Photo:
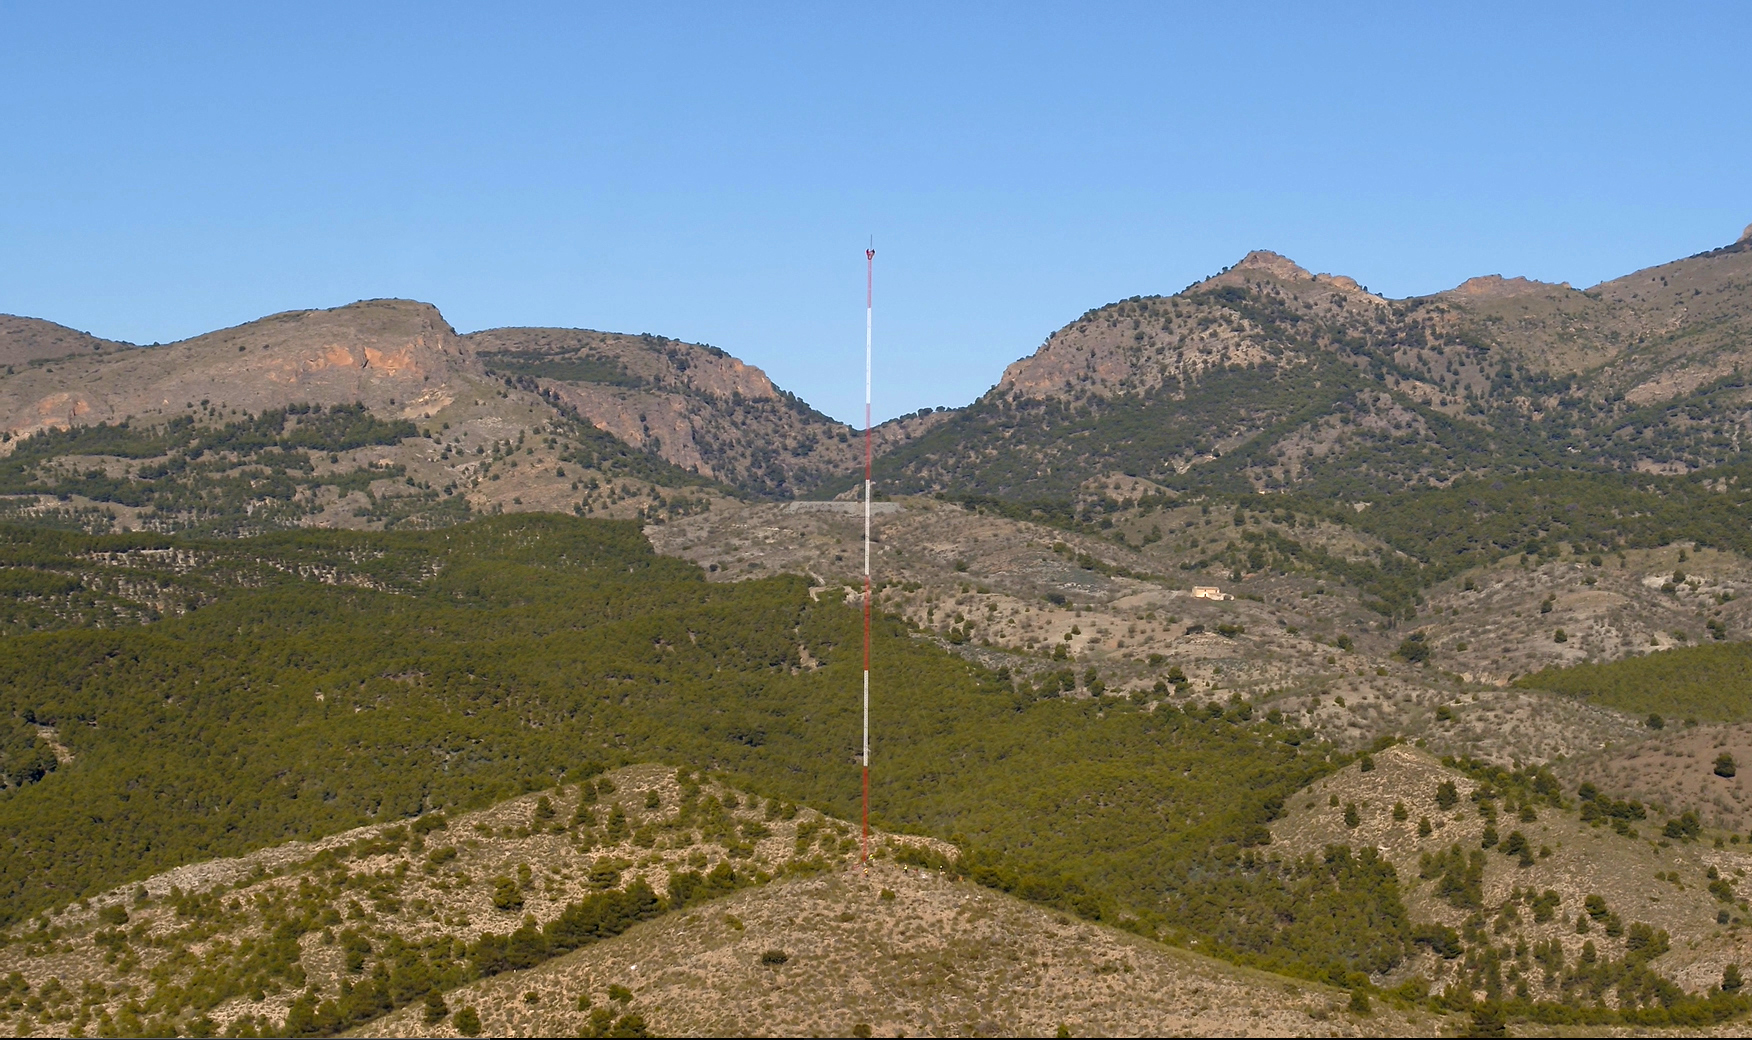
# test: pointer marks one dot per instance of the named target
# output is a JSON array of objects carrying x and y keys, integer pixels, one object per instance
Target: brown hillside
[
  {"x": 1011, "y": 594},
  {"x": 397, "y": 357},
  {"x": 205, "y": 946},
  {"x": 23, "y": 340},
  {"x": 694, "y": 405}
]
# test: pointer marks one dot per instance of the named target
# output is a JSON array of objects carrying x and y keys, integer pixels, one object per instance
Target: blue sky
[{"x": 712, "y": 172}]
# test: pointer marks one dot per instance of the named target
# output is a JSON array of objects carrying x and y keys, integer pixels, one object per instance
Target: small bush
[
  {"x": 774, "y": 958},
  {"x": 467, "y": 1022},
  {"x": 435, "y": 1008}
]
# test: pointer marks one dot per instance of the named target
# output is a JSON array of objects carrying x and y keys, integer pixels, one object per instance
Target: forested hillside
[{"x": 452, "y": 667}]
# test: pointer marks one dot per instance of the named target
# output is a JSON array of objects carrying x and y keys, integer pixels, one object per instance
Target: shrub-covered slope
[{"x": 490, "y": 658}]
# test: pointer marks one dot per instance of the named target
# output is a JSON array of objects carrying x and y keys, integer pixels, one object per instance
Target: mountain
[
  {"x": 1392, "y": 646},
  {"x": 195, "y": 435},
  {"x": 1264, "y": 377},
  {"x": 399, "y": 359},
  {"x": 1268, "y": 378}
]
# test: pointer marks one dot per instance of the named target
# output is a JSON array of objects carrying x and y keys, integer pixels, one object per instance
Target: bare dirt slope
[
  {"x": 1675, "y": 769},
  {"x": 939, "y": 958},
  {"x": 1507, "y": 623}
]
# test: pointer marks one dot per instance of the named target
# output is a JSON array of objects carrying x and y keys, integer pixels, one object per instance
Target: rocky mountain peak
[
  {"x": 1274, "y": 264},
  {"x": 1282, "y": 268}
]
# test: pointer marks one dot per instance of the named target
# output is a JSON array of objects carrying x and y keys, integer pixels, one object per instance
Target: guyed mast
[{"x": 869, "y": 300}]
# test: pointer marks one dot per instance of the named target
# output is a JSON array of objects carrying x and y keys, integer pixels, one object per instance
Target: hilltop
[
  {"x": 692, "y": 405},
  {"x": 898, "y": 950},
  {"x": 99, "y": 437},
  {"x": 24, "y": 340}
]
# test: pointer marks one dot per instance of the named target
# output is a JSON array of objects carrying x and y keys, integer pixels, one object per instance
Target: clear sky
[{"x": 712, "y": 172}]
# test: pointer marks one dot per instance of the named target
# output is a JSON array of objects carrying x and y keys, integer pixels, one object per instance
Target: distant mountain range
[{"x": 1262, "y": 378}]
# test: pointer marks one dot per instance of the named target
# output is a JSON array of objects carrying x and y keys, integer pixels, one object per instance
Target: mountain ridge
[{"x": 1262, "y": 377}]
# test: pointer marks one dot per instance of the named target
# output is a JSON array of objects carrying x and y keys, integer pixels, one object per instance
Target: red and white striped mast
[{"x": 869, "y": 300}]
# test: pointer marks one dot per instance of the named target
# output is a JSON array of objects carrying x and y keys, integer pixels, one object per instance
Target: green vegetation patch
[
  {"x": 1711, "y": 683},
  {"x": 254, "y": 474}
]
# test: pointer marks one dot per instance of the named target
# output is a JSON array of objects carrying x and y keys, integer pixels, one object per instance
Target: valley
[{"x": 1267, "y": 658}]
